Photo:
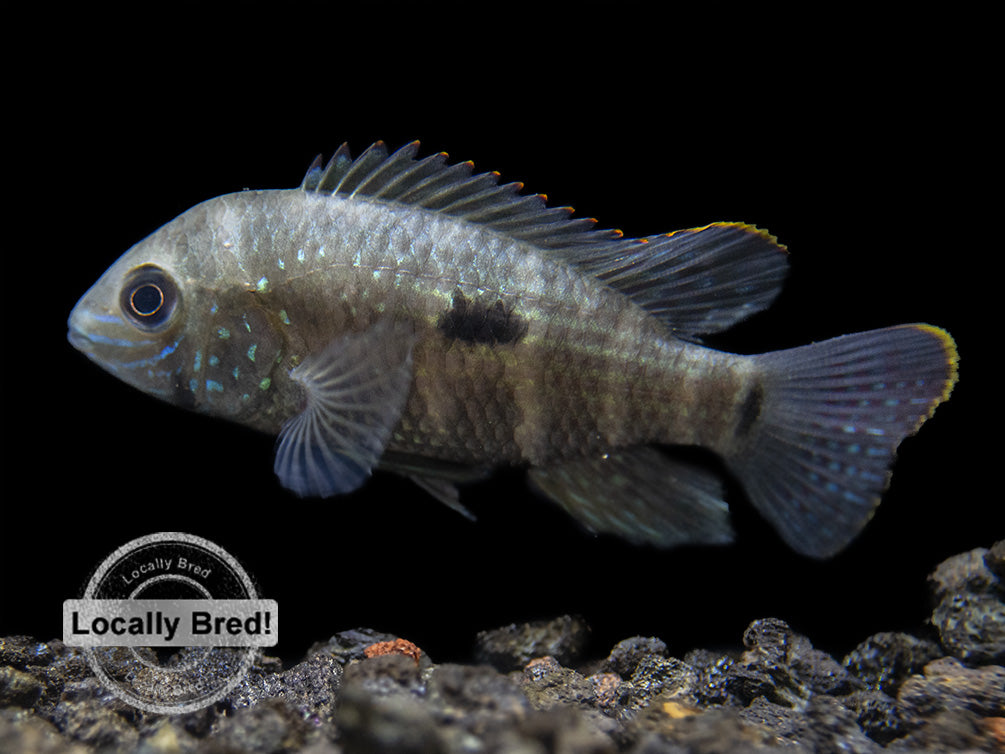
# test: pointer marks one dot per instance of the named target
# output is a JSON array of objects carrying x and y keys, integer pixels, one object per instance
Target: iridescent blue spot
[
  {"x": 197, "y": 364},
  {"x": 875, "y": 431},
  {"x": 849, "y": 429},
  {"x": 263, "y": 284},
  {"x": 853, "y": 449},
  {"x": 283, "y": 317},
  {"x": 193, "y": 385},
  {"x": 300, "y": 255},
  {"x": 223, "y": 333},
  {"x": 890, "y": 402},
  {"x": 264, "y": 384},
  {"x": 213, "y": 386},
  {"x": 236, "y": 372},
  {"x": 251, "y": 351},
  {"x": 282, "y": 264},
  {"x": 214, "y": 360}
]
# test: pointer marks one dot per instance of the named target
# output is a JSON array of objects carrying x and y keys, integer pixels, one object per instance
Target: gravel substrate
[{"x": 530, "y": 688}]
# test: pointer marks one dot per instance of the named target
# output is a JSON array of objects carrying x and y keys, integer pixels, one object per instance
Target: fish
[{"x": 407, "y": 313}]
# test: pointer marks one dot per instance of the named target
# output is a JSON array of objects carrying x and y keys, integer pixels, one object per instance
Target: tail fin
[{"x": 818, "y": 458}]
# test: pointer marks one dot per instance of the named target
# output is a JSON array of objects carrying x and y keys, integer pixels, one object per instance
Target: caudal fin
[{"x": 817, "y": 460}]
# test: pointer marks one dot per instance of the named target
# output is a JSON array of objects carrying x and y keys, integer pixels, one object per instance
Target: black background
[{"x": 868, "y": 153}]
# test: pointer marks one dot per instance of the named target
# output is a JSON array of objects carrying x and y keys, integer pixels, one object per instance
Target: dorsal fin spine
[{"x": 696, "y": 281}]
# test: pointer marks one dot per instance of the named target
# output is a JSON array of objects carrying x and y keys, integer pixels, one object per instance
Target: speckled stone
[{"x": 970, "y": 606}]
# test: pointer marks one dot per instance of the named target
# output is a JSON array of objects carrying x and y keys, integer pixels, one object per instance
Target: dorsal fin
[
  {"x": 696, "y": 281},
  {"x": 452, "y": 189}
]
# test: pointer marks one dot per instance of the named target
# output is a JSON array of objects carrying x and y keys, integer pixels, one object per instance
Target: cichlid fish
[{"x": 407, "y": 313}]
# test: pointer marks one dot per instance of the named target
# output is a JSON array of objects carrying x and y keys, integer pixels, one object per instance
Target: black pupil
[{"x": 147, "y": 299}]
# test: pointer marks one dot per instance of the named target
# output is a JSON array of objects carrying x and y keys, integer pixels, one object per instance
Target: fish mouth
[{"x": 76, "y": 334}]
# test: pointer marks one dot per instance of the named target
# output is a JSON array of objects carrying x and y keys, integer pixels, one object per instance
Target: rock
[
  {"x": 884, "y": 660},
  {"x": 547, "y": 684},
  {"x": 21, "y": 651},
  {"x": 627, "y": 654},
  {"x": 269, "y": 726},
  {"x": 364, "y": 691},
  {"x": 824, "y": 726},
  {"x": 91, "y": 723},
  {"x": 475, "y": 698},
  {"x": 374, "y": 722},
  {"x": 347, "y": 646},
  {"x": 783, "y": 666},
  {"x": 22, "y": 733},
  {"x": 665, "y": 676},
  {"x": 512, "y": 647},
  {"x": 310, "y": 689},
  {"x": 970, "y": 606},
  {"x": 19, "y": 689},
  {"x": 879, "y": 715},
  {"x": 948, "y": 730},
  {"x": 713, "y": 671},
  {"x": 717, "y": 730},
  {"x": 947, "y": 684},
  {"x": 386, "y": 675}
]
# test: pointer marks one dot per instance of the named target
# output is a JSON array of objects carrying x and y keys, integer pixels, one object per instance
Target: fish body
[{"x": 405, "y": 313}]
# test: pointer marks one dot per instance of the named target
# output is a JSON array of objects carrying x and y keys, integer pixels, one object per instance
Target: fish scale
[{"x": 405, "y": 313}]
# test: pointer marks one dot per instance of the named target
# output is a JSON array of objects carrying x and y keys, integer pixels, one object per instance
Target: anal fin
[{"x": 641, "y": 495}]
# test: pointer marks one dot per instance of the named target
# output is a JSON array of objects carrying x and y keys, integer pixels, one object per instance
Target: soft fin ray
[
  {"x": 355, "y": 392},
  {"x": 695, "y": 281},
  {"x": 702, "y": 280},
  {"x": 818, "y": 458},
  {"x": 641, "y": 495}
]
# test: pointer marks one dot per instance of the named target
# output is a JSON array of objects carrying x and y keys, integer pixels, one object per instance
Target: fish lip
[
  {"x": 77, "y": 339},
  {"x": 76, "y": 334}
]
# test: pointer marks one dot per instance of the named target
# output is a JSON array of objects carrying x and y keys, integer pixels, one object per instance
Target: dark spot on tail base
[
  {"x": 750, "y": 410},
  {"x": 477, "y": 322}
]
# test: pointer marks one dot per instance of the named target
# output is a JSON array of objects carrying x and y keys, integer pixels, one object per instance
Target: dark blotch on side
[
  {"x": 750, "y": 410},
  {"x": 476, "y": 322}
]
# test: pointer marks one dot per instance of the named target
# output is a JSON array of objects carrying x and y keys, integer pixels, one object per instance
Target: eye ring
[
  {"x": 146, "y": 300},
  {"x": 149, "y": 298}
]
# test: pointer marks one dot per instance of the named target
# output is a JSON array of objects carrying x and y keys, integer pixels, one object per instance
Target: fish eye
[{"x": 149, "y": 297}]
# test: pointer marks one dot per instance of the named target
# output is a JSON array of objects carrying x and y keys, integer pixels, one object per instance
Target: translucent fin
[
  {"x": 641, "y": 495},
  {"x": 445, "y": 491},
  {"x": 355, "y": 392},
  {"x": 818, "y": 457},
  {"x": 438, "y": 478},
  {"x": 696, "y": 281},
  {"x": 702, "y": 280}
]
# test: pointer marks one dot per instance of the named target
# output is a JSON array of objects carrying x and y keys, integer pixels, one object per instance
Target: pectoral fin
[
  {"x": 355, "y": 389},
  {"x": 641, "y": 495}
]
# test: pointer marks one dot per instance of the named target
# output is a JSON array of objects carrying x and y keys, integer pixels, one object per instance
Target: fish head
[{"x": 132, "y": 321}]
